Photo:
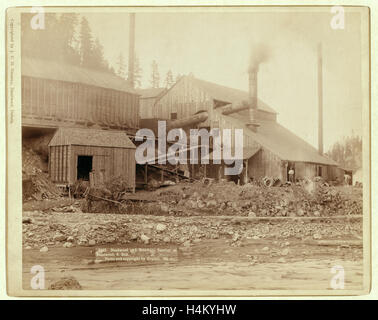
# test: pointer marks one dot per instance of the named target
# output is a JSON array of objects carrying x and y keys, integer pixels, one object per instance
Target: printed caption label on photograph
[{"x": 135, "y": 255}]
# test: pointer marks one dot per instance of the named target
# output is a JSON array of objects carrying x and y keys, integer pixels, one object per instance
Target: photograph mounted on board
[{"x": 188, "y": 151}]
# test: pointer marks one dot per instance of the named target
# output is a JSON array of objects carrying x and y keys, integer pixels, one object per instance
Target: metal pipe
[
  {"x": 195, "y": 119},
  {"x": 231, "y": 109},
  {"x": 130, "y": 77},
  {"x": 320, "y": 99},
  {"x": 253, "y": 124}
]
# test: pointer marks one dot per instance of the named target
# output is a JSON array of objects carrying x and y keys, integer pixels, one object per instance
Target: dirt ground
[
  {"x": 223, "y": 237},
  {"x": 210, "y": 265},
  {"x": 243, "y": 254}
]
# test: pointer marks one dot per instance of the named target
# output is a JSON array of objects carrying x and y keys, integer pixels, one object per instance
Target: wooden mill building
[
  {"x": 270, "y": 149},
  {"x": 88, "y": 115},
  {"x": 56, "y": 94},
  {"x": 147, "y": 101}
]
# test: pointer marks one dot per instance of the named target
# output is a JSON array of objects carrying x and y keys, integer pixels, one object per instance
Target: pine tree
[
  {"x": 178, "y": 77},
  {"x": 97, "y": 57},
  {"x": 86, "y": 43},
  {"x": 155, "y": 76},
  {"x": 121, "y": 67},
  {"x": 169, "y": 79},
  {"x": 67, "y": 37},
  {"x": 137, "y": 72},
  {"x": 348, "y": 152}
]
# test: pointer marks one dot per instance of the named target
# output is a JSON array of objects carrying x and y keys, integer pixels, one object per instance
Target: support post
[{"x": 145, "y": 173}]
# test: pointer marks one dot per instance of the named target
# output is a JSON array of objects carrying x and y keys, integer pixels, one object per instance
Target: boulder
[
  {"x": 160, "y": 227},
  {"x": 44, "y": 249},
  {"x": 144, "y": 239}
]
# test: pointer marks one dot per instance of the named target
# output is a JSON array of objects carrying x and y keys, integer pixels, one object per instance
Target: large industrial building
[
  {"x": 88, "y": 115},
  {"x": 57, "y": 96},
  {"x": 270, "y": 149}
]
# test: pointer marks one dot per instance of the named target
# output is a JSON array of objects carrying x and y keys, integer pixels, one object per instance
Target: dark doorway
[{"x": 84, "y": 167}]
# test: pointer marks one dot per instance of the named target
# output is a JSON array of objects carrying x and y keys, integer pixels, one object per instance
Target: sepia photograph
[{"x": 189, "y": 151}]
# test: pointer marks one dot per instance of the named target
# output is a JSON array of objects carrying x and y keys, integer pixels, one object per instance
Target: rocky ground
[
  {"x": 310, "y": 198},
  {"x": 191, "y": 212},
  {"x": 221, "y": 226},
  {"x": 65, "y": 229}
]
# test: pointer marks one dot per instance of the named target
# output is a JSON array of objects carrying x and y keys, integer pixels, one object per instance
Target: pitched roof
[
  {"x": 282, "y": 142},
  {"x": 54, "y": 70},
  {"x": 227, "y": 94},
  {"x": 91, "y": 137},
  {"x": 150, "y": 92},
  {"x": 248, "y": 152},
  {"x": 287, "y": 145}
]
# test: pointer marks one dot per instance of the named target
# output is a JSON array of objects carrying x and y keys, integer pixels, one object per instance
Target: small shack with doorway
[{"x": 99, "y": 155}]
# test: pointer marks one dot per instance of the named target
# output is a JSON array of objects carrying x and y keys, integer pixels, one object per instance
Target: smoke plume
[{"x": 259, "y": 54}]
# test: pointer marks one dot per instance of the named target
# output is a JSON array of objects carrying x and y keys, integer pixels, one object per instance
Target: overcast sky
[{"x": 216, "y": 46}]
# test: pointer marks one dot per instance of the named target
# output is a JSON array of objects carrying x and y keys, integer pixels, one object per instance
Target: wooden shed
[{"x": 76, "y": 153}]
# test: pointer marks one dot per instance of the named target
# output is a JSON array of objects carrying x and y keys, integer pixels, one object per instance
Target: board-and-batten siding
[
  {"x": 59, "y": 166},
  {"x": 185, "y": 99},
  {"x": 147, "y": 108},
  {"x": 266, "y": 164},
  {"x": 112, "y": 162},
  {"x": 310, "y": 170},
  {"x": 60, "y": 100}
]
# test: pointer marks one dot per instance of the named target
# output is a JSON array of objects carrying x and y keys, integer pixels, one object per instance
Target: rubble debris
[
  {"x": 35, "y": 180},
  {"x": 144, "y": 239},
  {"x": 27, "y": 220},
  {"x": 55, "y": 229},
  {"x": 285, "y": 252},
  {"x": 66, "y": 283},
  {"x": 226, "y": 198},
  {"x": 160, "y": 227},
  {"x": 79, "y": 188}
]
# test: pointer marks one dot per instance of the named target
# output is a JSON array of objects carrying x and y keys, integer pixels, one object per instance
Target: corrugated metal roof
[
  {"x": 47, "y": 69},
  {"x": 227, "y": 94},
  {"x": 91, "y": 137},
  {"x": 150, "y": 92}
]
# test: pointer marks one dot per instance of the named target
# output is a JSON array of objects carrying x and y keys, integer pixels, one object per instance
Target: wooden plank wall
[
  {"x": 59, "y": 164},
  {"x": 112, "y": 162},
  {"x": 147, "y": 109},
  {"x": 305, "y": 170},
  {"x": 335, "y": 172},
  {"x": 265, "y": 163},
  {"x": 185, "y": 99},
  {"x": 59, "y": 100}
]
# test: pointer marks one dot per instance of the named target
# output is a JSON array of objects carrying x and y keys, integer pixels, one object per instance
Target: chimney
[
  {"x": 320, "y": 100},
  {"x": 131, "y": 49},
  {"x": 253, "y": 124}
]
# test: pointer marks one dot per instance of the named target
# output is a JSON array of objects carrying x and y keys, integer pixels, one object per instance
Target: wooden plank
[{"x": 67, "y": 164}]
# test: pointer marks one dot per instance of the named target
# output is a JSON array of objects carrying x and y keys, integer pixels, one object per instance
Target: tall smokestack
[
  {"x": 259, "y": 54},
  {"x": 320, "y": 99},
  {"x": 131, "y": 49},
  {"x": 252, "y": 111}
]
